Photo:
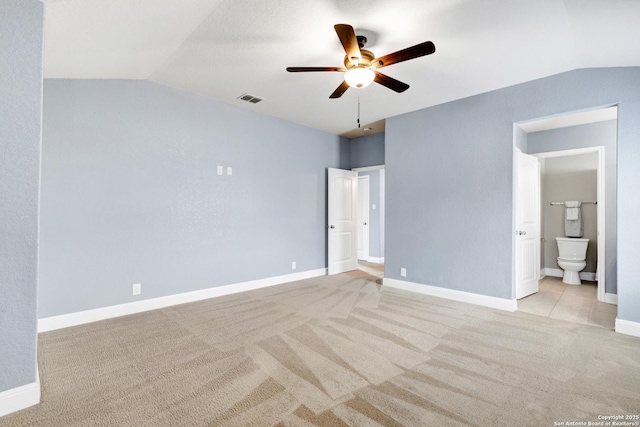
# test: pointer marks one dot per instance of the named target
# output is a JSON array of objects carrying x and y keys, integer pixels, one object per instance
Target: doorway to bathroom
[
  {"x": 574, "y": 175},
  {"x": 573, "y": 150}
]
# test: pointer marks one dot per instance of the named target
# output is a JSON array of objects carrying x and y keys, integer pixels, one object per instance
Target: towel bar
[{"x": 584, "y": 203}]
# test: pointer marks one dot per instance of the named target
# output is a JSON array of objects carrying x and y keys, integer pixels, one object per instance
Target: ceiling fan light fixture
[{"x": 359, "y": 77}]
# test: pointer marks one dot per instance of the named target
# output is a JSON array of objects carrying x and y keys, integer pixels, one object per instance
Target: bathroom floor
[{"x": 570, "y": 302}]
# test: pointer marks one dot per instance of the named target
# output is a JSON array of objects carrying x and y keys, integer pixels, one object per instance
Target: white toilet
[{"x": 572, "y": 259}]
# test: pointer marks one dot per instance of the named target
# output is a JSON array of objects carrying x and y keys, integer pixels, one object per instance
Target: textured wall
[
  {"x": 20, "y": 111},
  {"x": 450, "y": 182},
  {"x": 591, "y": 135},
  {"x": 130, "y": 194},
  {"x": 367, "y": 151}
]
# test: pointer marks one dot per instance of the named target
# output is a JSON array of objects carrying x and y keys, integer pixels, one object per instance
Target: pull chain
[{"x": 358, "y": 112}]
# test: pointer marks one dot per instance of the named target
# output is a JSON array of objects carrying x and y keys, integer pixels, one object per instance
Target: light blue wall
[
  {"x": 590, "y": 135},
  {"x": 130, "y": 194},
  {"x": 450, "y": 182},
  {"x": 367, "y": 150},
  {"x": 20, "y": 110}
]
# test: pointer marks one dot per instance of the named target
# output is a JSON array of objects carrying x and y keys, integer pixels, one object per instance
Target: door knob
[
  {"x": 521, "y": 233},
  {"x": 364, "y": 223},
  {"x": 331, "y": 226}
]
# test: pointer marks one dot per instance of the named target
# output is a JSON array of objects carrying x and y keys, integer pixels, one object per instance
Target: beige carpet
[{"x": 332, "y": 351}]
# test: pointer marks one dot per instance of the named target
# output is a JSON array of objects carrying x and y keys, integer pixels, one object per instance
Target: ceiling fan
[{"x": 361, "y": 65}]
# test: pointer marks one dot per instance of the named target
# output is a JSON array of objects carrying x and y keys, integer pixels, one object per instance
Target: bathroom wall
[
  {"x": 591, "y": 135},
  {"x": 569, "y": 186}
]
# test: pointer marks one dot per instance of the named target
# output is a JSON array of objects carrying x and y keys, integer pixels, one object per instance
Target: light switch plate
[
  {"x": 220, "y": 170},
  {"x": 229, "y": 170}
]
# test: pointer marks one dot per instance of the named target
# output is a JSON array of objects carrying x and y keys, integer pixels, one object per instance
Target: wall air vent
[{"x": 250, "y": 98}]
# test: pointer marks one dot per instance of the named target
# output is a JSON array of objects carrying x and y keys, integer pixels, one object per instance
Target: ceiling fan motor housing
[{"x": 367, "y": 57}]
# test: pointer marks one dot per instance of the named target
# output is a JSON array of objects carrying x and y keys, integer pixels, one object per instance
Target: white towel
[
  {"x": 572, "y": 210},
  {"x": 573, "y": 226}
]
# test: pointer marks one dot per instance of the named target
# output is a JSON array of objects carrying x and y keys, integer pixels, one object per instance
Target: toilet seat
[{"x": 570, "y": 259}]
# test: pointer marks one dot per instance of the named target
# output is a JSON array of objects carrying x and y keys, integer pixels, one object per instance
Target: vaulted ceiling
[{"x": 225, "y": 48}]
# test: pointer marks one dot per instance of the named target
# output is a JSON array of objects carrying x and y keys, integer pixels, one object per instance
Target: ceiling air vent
[{"x": 250, "y": 98}]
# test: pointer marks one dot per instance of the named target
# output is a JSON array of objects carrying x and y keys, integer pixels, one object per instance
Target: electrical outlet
[
  {"x": 293, "y": 265},
  {"x": 229, "y": 170},
  {"x": 219, "y": 170},
  {"x": 137, "y": 288},
  {"x": 403, "y": 272}
]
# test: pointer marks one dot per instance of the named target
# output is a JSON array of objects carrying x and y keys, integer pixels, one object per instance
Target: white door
[
  {"x": 342, "y": 227},
  {"x": 363, "y": 217},
  {"x": 527, "y": 239}
]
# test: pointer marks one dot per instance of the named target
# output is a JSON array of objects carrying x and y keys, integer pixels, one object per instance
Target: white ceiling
[{"x": 225, "y": 48}]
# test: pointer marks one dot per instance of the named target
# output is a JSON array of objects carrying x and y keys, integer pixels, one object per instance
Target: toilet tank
[{"x": 571, "y": 248}]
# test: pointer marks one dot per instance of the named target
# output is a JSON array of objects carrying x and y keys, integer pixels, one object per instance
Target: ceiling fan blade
[
  {"x": 391, "y": 83},
  {"x": 304, "y": 69},
  {"x": 347, "y": 37},
  {"x": 422, "y": 49},
  {"x": 340, "y": 90}
]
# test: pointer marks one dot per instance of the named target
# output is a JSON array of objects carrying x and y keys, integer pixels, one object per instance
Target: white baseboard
[
  {"x": 611, "y": 298},
  {"x": 88, "y": 316},
  {"x": 627, "y": 327},
  {"x": 553, "y": 272},
  {"x": 542, "y": 273},
  {"x": 558, "y": 272},
  {"x": 376, "y": 260},
  {"x": 19, "y": 398},
  {"x": 451, "y": 294},
  {"x": 589, "y": 277}
]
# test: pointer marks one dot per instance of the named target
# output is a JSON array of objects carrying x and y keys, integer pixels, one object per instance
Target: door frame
[
  {"x": 600, "y": 208},
  {"x": 364, "y": 186},
  {"x": 383, "y": 197}
]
